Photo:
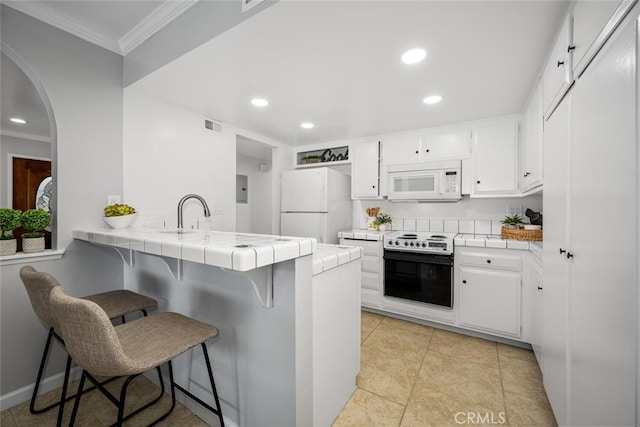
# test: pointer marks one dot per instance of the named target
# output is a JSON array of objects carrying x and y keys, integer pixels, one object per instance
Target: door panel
[{"x": 27, "y": 176}]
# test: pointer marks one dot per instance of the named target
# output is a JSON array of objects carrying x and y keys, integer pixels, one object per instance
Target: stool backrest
[
  {"x": 89, "y": 335},
  {"x": 39, "y": 285}
]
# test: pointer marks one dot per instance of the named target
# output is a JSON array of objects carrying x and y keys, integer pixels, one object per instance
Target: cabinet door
[
  {"x": 403, "y": 149},
  {"x": 558, "y": 74},
  {"x": 365, "y": 170},
  {"x": 604, "y": 281},
  {"x": 448, "y": 145},
  {"x": 593, "y": 22},
  {"x": 556, "y": 274},
  {"x": 490, "y": 300},
  {"x": 495, "y": 159},
  {"x": 530, "y": 174},
  {"x": 536, "y": 315}
]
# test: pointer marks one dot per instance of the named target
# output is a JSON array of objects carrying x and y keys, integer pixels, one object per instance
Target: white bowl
[{"x": 122, "y": 221}]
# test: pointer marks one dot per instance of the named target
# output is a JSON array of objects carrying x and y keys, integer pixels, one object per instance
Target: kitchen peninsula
[{"x": 287, "y": 308}]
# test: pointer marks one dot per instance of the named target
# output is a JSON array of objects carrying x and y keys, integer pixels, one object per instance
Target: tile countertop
[
  {"x": 495, "y": 241},
  {"x": 327, "y": 257},
  {"x": 363, "y": 234},
  {"x": 235, "y": 251}
]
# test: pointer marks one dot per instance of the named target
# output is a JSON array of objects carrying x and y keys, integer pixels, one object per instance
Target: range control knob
[
  {"x": 424, "y": 245},
  {"x": 406, "y": 243},
  {"x": 411, "y": 244},
  {"x": 397, "y": 243}
]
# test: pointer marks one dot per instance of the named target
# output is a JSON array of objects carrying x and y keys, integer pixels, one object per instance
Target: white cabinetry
[
  {"x": 365, "y": 170},
  {"x": 530, "y": 150},
  {"x": 426, "y": 147},
  {"x": 593, "y": 22},
  {"x": 533, "y": 287},
  {"x": 590, "y": 273},
  {"x": 494, "y": 161},
  {"x": 558, "y": 72},
  {"x": 490, "y": 283},
  {"x": 372, "y": 276}
]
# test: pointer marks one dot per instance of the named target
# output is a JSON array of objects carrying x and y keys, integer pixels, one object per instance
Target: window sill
[{"x": 22, "y": 258}]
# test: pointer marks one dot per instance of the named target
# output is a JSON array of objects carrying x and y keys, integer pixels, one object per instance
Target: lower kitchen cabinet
[
  {"x": 372, "y": 277},
  {"x": 489, "y": 283},
  {"x": 534, "y": 288}
]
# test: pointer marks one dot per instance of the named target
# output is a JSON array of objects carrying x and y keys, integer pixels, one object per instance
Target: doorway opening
[{"x": 254, "y": 182}]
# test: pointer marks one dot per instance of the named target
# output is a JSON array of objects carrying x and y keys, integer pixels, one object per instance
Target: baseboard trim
[{"x": 23, "y": 394}]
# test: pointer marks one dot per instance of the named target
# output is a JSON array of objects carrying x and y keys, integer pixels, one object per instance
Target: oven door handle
[{"x": 421, "y": 258}]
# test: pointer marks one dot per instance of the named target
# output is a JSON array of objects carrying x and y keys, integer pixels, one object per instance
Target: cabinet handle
[
  {"x": 477, "y": 182},
  {"x": 571, "y": 47},
  {"x": 373, "y": 186},
  {"x": 488, "y": 261},
  {"x": 569, "y": 255},
  {"x": 417, "y": 152},
  {"x": 560, "y": 64},
  {"x": 527, "y": 174},
  {"x": 539, "y": 288},
  {"x": 562, "y": 251},
  {"x": 464, "y": 281},
  {"x": 427, "y": 150}
]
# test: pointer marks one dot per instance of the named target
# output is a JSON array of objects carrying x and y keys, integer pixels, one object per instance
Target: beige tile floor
[
  {"x": 417, "y": 376},
  {"x": 411, "y": 376}
]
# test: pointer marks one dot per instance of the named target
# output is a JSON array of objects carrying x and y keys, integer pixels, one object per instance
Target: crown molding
[
  {"x": 154, "y": 22},
  {"x": 44, "y": 13},
  {"x": 22, "y": 135}
]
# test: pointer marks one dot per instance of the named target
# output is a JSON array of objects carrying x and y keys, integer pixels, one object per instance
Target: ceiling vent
[
  {"x": 213, "y": 126},
  {"x": 248, "y": 4}
]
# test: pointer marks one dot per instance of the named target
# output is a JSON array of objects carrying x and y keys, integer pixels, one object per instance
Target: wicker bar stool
[
  {"x": 116, "y": 304},
  {"x": 128, "y": 350}
]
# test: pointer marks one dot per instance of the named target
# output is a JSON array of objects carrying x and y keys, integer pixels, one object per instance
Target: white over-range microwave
[{"x": 430, "y": 181}]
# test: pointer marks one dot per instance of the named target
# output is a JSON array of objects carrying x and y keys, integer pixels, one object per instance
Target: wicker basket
[{"x": 520, "y": 234}]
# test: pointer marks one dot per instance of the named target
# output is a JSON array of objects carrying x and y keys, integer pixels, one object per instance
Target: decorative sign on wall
[{"x": 335, "y": 154}]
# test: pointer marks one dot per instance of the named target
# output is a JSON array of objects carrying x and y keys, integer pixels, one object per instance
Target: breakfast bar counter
[{"x": 285, "y": 308}]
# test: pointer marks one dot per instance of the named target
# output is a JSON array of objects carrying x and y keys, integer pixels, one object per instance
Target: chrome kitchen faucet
[{"x": 207, "y": 213}]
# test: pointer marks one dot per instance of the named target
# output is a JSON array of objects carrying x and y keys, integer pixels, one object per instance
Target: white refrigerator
[{"x": 315, "y": 202}]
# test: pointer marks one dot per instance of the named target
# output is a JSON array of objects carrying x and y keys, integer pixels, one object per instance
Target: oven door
[{"x": 419, "y": 277}]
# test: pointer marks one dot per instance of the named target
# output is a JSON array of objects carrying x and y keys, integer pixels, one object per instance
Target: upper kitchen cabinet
[
  {"x": 531, "y": 162},
  {"x": 494, "y": 162},
  {"x": 557, "y": 76},
  {"x": 426, "y": 147},
  {"x": 365, "y": 170},
  {"x": 593, "y": 23}
]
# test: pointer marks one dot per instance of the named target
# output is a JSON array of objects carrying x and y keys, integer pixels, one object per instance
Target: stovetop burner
[{"x": 420, "y": 242}]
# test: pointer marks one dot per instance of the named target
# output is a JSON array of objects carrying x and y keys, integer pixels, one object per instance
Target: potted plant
[
  {"x": 512, "y": 221},
  {"x": 119, "y": 215},
  {"x": 384, "y": 221},
  {"x": 10, "y": 219},
  {"x": 35, "y": 221}
]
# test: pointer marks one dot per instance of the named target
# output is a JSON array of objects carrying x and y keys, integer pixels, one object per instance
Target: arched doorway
[{"x": 28, "y": 149}]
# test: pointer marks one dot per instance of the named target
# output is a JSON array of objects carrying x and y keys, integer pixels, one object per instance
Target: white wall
[
  {"x": 254, "y": 216},
  {"x": 22, "y": 147},
  {"x": 168, "y": 153},
  {"x": 83, "y": 84}
]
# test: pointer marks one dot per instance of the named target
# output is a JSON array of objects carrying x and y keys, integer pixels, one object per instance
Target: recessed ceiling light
[
  {"x": 413, "y": 56},
  {"x": 306, "y": 125},
  {"x": 18, "y": 120},
  {"x": 259, "y": 102},
  {"x": 433, "y": 99}
]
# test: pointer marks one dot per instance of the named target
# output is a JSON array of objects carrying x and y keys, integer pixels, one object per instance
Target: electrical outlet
[
  {"x": 514, "y": 210},
  {"x": 113, "y": 199}
]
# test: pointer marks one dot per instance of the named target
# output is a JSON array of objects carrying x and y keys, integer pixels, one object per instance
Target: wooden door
[{"x": 27, "y": 176}]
